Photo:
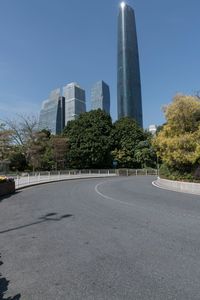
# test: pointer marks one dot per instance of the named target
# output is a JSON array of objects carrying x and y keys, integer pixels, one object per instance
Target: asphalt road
[{"x": 100, "y": 239}]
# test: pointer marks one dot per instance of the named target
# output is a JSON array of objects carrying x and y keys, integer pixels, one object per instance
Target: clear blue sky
[{"x": 45, "y": 44}]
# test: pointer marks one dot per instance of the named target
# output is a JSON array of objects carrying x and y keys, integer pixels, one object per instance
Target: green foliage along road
[
  {"x": 90, "y": 141},
  {"x": 132, "y": 146},
  {"x": 94, "y": 142},
  {"x": 178, "y": 142}
]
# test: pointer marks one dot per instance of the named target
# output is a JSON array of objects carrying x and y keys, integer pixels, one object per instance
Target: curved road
[{"x": 97, "y": 239}]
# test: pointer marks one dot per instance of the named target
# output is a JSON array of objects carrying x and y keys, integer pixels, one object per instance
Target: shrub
[
  {"x": 172, "y": 174},
  {"x": 6, "y": 179}
]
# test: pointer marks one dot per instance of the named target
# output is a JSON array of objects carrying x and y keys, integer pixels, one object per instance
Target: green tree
[
  {"x": 145, "y": 153},
  {"x": 126, "y": 136},
  {"x": 17, "y": 160},
  {"x": 89, "y": 140}
]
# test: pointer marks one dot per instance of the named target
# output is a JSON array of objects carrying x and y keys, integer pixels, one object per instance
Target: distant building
[
  {"x": 52, "y": 114},
  {"x": 128, "y": 72},
  {"x": 74, "y": 101},
  {"x": 100, "y": 96},
  {"x": 152, "y": 129}
]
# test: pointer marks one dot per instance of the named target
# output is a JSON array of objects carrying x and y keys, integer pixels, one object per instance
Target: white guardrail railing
[
  {"x": 33, "y": 178},
  {"x": 26, "y": 179}
]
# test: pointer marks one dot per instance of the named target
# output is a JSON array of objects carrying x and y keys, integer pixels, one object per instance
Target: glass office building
[
  {"x": 100, "y": 96},
  {"x": 52, "y": 114},
  {"x": 128, "y": 73},
  {"x": 74, "y": 101}
]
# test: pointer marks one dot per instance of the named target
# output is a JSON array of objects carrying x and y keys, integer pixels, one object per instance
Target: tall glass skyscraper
[
  {"x": 52, "y": 114},
  {"x": 100, "y": 96},
  {"x": 129, "y": 98},
  {"x": 74, "y": 101}
]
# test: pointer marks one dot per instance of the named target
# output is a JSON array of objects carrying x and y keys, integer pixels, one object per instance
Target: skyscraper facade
[
  {"x": 74, "y": 101},
  {"x": 100, "y": 96},
  {"x": 129, "y": 98},
  {"x": 52, "y": 114}
]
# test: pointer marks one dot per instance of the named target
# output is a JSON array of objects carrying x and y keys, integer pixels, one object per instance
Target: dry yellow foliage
[{"x": 178, "y": 143}]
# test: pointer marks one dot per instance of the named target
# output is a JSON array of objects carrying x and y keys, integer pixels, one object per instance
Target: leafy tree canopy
[
  {"x": 182, "y": 115},
  {"x": 89, "y": 140},
  {"x": 126, "y": 136},
  {"x": 178, "y": 143}
]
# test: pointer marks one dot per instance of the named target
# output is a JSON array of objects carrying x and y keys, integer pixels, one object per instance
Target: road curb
[{"x": 177, "y": 186}]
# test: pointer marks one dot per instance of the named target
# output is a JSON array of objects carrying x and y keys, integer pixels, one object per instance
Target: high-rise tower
[
  {"x": 74, "y": 101},
  {"x": 100, "y": 96},
  {"x": 129, "y": 98},
  {"x": 52, "y": 114}
]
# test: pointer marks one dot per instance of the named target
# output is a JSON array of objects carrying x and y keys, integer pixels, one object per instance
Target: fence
[
  {"x": 137, "y": 172},
  {"x": 26, "y": 179}
]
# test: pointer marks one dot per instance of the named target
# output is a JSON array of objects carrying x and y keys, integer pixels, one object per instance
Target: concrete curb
[
  {"x": 177, "y": 186},
  {"x": 21, "y": 187}
]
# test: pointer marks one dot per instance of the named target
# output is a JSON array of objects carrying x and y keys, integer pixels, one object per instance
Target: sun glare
[{"x": 123, "y": 4}]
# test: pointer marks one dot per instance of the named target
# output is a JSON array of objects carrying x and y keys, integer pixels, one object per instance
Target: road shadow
[
  {"x": 4, "y": 197},
  {"x": 4, "y": 287},
  {"x": 50, "y": 217}
]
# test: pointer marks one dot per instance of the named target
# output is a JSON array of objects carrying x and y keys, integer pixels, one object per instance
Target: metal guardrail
[
  {"x": 27, "y": 179},
  {"x": 137, "y": 172},
  {"x": 33, "y": 178}
]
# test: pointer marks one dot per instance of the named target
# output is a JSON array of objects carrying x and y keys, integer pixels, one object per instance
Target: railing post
[
  {"x": 136, "y": 172},
  {"x": 17, "y": 180},
  {"x": 28, "y": 178},
  {"x": 38, "y": 177}
]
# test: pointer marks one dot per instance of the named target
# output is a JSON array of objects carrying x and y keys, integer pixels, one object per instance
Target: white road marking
[
  {"x": 162, "y": 188},
  {"x": 110, "y": 198},
  {"x": 135, "y": 205}
]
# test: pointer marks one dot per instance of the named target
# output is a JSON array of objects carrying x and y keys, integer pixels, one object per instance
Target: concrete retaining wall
[{"x": 179, "y": 186}]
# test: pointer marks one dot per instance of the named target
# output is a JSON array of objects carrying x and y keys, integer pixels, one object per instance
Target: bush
[
  {"x": 164, "y": 171},
  {"x": 6, "y": 179},
  {"x": 172, "y": 174},
  {"x": 197, "y": 173},
  {"x": 7, "y": 185}
]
